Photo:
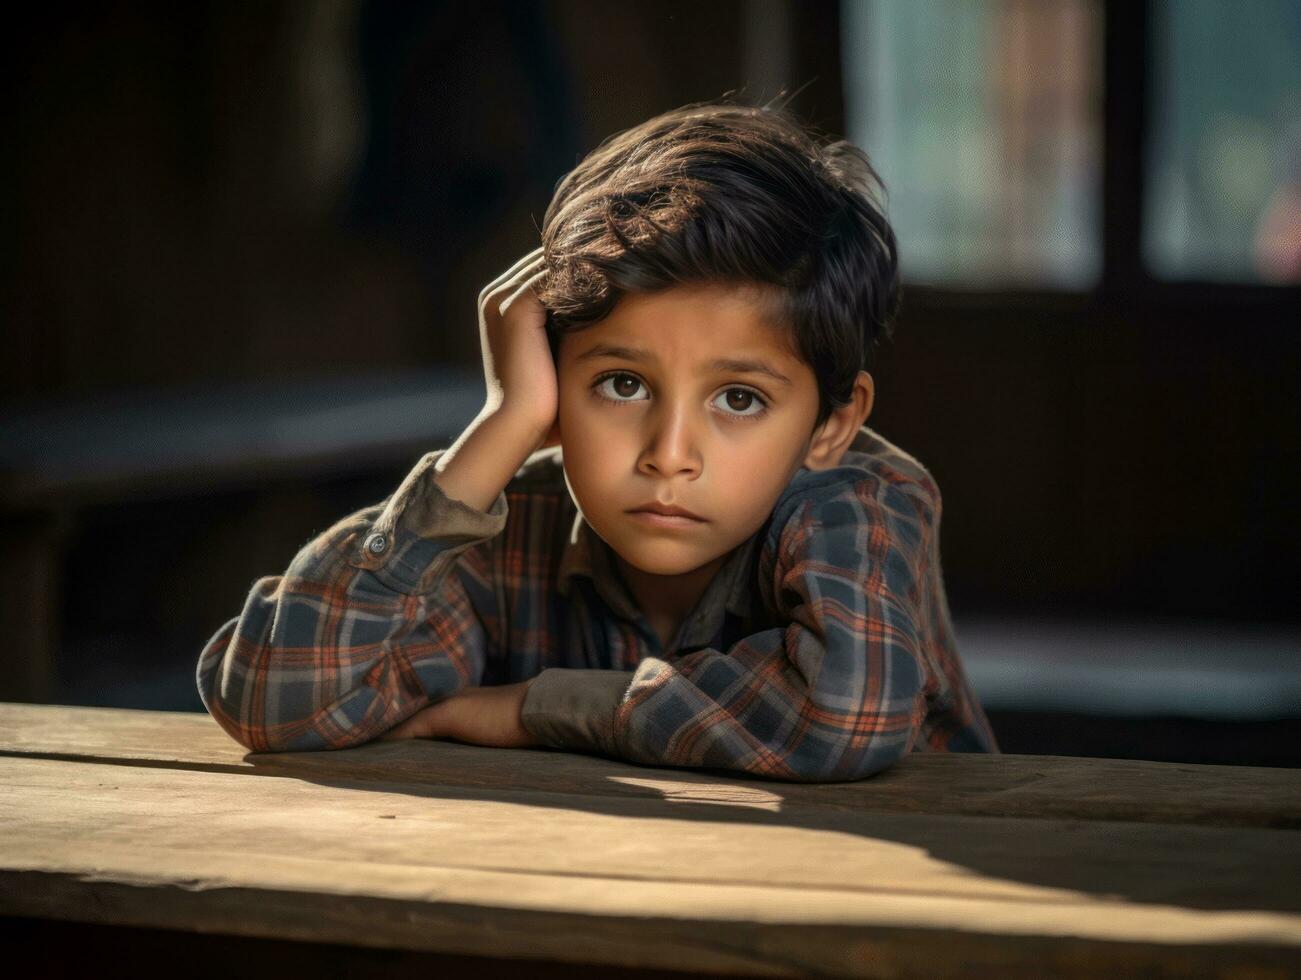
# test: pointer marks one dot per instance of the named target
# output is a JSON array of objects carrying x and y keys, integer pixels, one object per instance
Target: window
[
  {"x": 983, "y": 118},
  {"x": 1223, "y": 167}
]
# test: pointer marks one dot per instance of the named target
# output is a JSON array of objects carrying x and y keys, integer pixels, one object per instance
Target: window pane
[
  {"x": 983, "y": 119},
  {"x": 1223, "y": 195}
]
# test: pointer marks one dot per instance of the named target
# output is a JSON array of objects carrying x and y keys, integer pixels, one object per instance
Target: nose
[{"x": 671, "y": 448}]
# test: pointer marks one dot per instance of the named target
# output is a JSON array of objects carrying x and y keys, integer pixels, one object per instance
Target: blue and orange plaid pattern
[{"x": 822, "y": 650}]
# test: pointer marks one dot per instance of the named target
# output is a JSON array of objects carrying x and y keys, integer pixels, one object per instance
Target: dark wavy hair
[{"x": 725, "y": 193}]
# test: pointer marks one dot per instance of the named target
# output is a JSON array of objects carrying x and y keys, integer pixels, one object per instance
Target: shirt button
[{"x": 376, "y": 544}]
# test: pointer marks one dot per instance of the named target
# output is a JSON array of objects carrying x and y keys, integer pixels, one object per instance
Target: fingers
[
  {"x": 519, "y": 293},
  {"x": 523, "y": 266}
]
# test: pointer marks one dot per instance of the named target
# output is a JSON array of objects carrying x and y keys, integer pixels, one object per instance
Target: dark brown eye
[
  {"x": 742, "y": 403},
  {"x": 747, "y": 396},
  {"x": 617, "y": 387}
]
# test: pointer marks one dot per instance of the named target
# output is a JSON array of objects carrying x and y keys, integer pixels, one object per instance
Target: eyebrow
[{"x": 738, "y": 365}]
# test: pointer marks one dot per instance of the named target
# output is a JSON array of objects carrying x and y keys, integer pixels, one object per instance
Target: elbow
[
  {"x": 224, "y": 691},
  {"x": 892, "y": 737},
  {"x": 858, "y": 745},
  {"x": 290, "y": 722},
  {"x": 248, "y": 730},
  {"x": 879, "y": 755},
  {"x": 213, "y": 679},
  {"x": 258, "y": 734},
  {"x": 849, "y": 762},
  {"x": 247, "y": 733}
]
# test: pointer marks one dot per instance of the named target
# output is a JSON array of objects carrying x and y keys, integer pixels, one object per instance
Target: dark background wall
[{"x": 207, "y": 193}]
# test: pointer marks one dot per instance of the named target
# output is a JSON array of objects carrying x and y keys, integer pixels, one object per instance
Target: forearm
[
  {"x": 477, "y": 716},
  {"x": 477, "y": 467},
  {"x": 324, "y": 655},
  {"x": 394, "y": 606}
]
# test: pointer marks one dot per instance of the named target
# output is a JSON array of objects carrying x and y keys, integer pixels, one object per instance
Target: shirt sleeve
[
  {"x": 839, "y": 693},
  {"x": 390, "y": 609}
]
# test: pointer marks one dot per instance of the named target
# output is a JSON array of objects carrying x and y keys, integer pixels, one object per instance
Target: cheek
[
  {"x": 590, "y": 445},
  {"x": 575, "y": 408},
  {"x": 590, "y": 425}
]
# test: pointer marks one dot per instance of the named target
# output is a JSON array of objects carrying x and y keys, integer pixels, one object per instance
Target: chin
[
  {"x": 662, "y": 557},
  {"x": 661, "y": 567}
]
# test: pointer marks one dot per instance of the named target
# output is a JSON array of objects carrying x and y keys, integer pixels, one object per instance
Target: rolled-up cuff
[
  {"x": 573, "y": 708},
  {"x": 422, "y": 531}
]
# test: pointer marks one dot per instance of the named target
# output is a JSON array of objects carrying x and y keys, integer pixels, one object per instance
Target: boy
[{"x": 668, "y": 537}]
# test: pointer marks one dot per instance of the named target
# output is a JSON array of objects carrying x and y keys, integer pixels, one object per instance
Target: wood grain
[
  {"x": 942, "y": 783},
  {"x": 946, "y": 865},
  {"x": 515, "y": 872}
]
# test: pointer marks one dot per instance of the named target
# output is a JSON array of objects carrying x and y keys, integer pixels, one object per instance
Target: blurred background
[{"x": 244, "y": 243}]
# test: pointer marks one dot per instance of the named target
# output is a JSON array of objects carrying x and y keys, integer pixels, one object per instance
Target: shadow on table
[{"x": 1105, "y": 858}]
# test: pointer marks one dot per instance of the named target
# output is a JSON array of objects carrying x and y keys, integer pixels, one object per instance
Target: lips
[{"x": 668, "y": 510}]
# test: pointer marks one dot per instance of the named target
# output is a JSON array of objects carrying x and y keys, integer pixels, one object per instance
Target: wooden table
[{"x": 943, "y": 866}]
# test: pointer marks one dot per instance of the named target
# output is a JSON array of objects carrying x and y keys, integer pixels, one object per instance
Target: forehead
[{"x": 696, "y": 320}]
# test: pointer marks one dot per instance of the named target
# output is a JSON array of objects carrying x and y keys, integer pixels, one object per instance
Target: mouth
[{"x": 666, "y": 515}]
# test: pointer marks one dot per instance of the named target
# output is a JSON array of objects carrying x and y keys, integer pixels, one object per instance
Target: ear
[{"x": 833, "y": 437}]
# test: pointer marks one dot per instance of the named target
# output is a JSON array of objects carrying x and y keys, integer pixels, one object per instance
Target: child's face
[{"x": 672, "y": 425}]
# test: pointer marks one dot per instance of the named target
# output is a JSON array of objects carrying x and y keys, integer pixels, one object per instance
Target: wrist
[
  {"x": 479, "y": 465},
  {"x": 449, "y": 711},
  {"x": 518, "y": 423}
]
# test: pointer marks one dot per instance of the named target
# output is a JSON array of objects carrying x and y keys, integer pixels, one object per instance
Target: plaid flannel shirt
[{"x": 822, "y": 650}]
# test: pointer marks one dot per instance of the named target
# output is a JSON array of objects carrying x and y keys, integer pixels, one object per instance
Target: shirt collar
[{"x": 732, "y": 589}]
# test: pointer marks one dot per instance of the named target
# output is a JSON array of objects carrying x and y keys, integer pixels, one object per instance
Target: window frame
[{"x": 1125, "y": 280}]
